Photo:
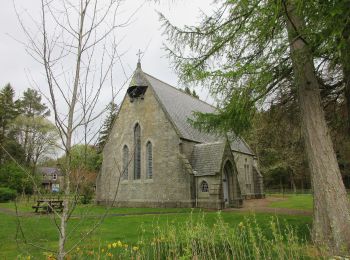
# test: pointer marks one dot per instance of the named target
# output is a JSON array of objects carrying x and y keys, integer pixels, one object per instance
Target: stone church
[{"x": 155, "y": 158}]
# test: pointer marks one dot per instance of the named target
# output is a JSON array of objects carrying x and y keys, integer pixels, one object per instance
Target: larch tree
[{"x": 244, "y": 52}]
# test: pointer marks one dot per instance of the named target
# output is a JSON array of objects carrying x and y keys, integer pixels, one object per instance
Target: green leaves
[
  {"x": 238, "y": 53},
  {"x": 243, "y": 48},
  {"x": 107, "y": 125},
  {"x": 235, "y": 117}
]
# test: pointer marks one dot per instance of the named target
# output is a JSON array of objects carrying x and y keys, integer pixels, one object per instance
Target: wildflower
[
  {"x": 77, "y": 249},
  {"x": 241, "y": 225},
  {"x": 119, "y": 243},
  {"x": 110, "y": 254},
  {"x": 135, "y": 248},
  {"x": 114, "y": 245},
  {"x": 109, "y": 246},
  {"x": 28, "y": 257},
  {"x": 126, "y": 246},
  {"x": 50, "y": 257},
  {"x": 102, "y": 250}
]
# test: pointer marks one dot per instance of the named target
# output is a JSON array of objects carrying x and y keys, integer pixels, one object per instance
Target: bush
[
  {"x": 87, "y": 195},
  {"x": 7, "y": 194},
  {"x": 15, "y": 178}
]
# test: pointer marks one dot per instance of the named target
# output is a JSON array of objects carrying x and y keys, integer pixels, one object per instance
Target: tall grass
[
  {"x": 197, "y": 240},
  {"x": 247, "y": 240}
]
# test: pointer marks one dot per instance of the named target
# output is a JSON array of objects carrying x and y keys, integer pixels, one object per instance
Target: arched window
[
  {"x": 149, "y": 160},
  {"x": 137, "y": 152},
  {"x": 204, "y": 186},
  {"x": 125, "y": 172}
]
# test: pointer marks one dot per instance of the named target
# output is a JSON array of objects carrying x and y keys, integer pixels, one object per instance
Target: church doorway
[
  {"x": 225, "y": 189},
  {"x": 226, "y": 181}
]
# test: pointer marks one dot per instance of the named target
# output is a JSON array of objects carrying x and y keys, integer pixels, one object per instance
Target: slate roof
[
  {"x": 206, "y": 158},
  {"x": 48, "y": 174},
  {"x": 179, "y": 106},
  {"x": 50, "y": 171}
]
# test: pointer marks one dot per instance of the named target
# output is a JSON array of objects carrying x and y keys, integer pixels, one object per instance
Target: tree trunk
[
  {"x": 70, "y": 129},
  {"x": 331, "y": 219},
  {"x": 292, "y": 182},
  {"x": 345, "y": 60}
]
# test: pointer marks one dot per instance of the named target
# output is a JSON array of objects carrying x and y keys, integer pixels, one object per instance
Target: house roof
[
  {"x": 180, "y": 107},
  {"x": 49, "y": 170},
  {"x": 206, "y": 158}
]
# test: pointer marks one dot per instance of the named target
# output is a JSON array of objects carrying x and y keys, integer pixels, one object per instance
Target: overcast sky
[{"x": 143, "y": 33}]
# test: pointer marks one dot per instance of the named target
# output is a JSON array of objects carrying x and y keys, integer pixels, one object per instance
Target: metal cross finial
[{"x": 139, "y": 54}]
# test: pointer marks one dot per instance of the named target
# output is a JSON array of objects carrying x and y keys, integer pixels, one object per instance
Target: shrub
[
  {"x": 15, "y": 178},
  {"x": 7, "y": 194},
  {"x": 87, "y": 195}
]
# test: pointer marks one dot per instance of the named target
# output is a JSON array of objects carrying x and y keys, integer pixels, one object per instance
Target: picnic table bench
[{"x": 48, "y": 205}]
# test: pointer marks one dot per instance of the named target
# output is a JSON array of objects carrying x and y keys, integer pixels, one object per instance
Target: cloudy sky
[{"x": 144, "y": 33}]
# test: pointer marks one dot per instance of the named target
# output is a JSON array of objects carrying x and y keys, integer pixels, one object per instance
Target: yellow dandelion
[
  {"x": 28, "y": 257},
  {"x": 135, "y": 248},
  {"x": 126, "y": 245},
  {"x": 114, "y": 245},
  {"x": 102, "y": 250},
  {"x": 120, "y": 244},
  {"x": 109, "y": 246},
  {"x": 77, "y": 249},
  {"x": 110, "y": 254},
  {"x": 241, "y": 225}
]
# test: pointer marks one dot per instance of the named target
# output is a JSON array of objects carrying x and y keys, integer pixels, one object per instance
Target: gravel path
[{"x": 263, "y": 206}]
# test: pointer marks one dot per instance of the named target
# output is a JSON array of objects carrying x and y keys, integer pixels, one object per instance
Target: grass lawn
[
  {"x": 91, "y": 209},
  {"x": 299, "y": 201},
  {"x": 40, "y": 229}
]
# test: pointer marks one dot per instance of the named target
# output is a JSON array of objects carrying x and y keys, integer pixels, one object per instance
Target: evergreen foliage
[
  {"x": 241, "y": 53},
  {"x": 14, "y": 177},
  {"x": 188, "y": 91},
  {"x": 25, "y": 136},
  {"x": 107, "y": 125},
  {"x": 9, "y": 109},
  {"x": 248, "y": 52},
  {"x": 7, "y": 194}
]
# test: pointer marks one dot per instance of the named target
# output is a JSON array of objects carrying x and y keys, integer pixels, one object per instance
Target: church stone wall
[
  {"x": 213, "y": 198},
  {"x": 245, "y": 174},
  {"x": 170, "y": 185},
  {"x": 187, "y": 147}
]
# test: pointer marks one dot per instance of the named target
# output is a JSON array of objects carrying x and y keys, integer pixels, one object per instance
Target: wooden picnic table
[{"x": 48, "y": 205}]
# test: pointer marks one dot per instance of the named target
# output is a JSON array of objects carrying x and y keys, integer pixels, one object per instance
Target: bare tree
[{"x": 75, "y": 43}]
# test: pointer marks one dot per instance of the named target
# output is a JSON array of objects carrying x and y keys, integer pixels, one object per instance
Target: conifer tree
[
  {"x": 244, "y": 53},
  {"x": 9, "y": 109},
  {"x": 107, "y": 125},
  {"x": 32, "y": 128}
]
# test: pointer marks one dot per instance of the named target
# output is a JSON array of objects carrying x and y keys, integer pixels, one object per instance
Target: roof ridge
[
  {"x": 211, "y": 143},
  {"x": 180, "y": 90}
]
